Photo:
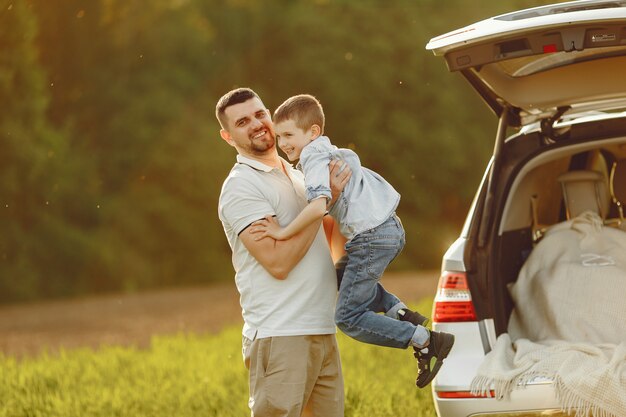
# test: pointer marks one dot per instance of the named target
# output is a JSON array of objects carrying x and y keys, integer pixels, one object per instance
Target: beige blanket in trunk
[{"x": 569, "y": 321}]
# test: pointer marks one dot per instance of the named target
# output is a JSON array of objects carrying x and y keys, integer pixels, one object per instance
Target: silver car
[{"x": 555, "y": 77}]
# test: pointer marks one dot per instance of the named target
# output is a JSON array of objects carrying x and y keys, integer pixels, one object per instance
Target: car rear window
[{"x": 527, "y": 65}]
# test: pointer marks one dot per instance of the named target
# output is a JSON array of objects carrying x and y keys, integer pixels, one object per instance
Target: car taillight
[
  {"x": 464, "y": 394},
  {"x": 453, "y": 301}
]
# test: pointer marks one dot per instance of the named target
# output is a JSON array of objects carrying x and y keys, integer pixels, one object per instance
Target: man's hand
[
  {"x": 268, "y": 227},
  {"x": 339, "y": 175}
]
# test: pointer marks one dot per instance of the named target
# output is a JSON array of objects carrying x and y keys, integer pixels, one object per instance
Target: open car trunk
[
  {"x": 560, "y": 260},
  {"x": 533, "y": 198}
]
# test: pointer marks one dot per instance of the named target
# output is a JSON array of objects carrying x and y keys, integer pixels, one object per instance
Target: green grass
[{"x": 190, "y": 375}]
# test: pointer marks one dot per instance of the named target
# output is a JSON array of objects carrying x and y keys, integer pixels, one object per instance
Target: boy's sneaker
[
  {"x": 416, "y": 318},
  {"x": 438, "y": 348}
]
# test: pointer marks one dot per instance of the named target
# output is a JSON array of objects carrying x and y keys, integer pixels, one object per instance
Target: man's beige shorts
[{"x": 289, "y": 373}]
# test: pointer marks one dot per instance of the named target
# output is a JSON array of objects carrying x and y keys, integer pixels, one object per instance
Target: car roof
[{"x": 538, "y": 60}]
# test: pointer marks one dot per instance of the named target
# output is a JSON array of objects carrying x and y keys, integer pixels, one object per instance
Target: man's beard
[{"x": 261, "y": 147}]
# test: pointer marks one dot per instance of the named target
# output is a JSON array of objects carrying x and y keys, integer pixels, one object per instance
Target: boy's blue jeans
[{"x": 361, "y": 296}]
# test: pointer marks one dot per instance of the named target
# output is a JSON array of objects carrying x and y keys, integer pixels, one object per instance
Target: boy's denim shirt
[{"x": 366, "y": 201}]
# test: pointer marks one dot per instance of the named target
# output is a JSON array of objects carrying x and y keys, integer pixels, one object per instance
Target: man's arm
[
  {"x": 339, "y": 176},
  {"x": 336, "y": 241},
  {"x": 279, "y": 257}
]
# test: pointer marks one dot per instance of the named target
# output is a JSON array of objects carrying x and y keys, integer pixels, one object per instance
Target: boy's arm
[{"x": 315, "y": 210}]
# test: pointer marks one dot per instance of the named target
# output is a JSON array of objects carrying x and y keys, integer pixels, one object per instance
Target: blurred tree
[
  {"x": 125, "y": 71},
  {"x": 163, "y": 228},
  {"x": 121, "y": 72},
  {"x": 18, "y": 78},
  {"x": 38, "y": 240},
  {"x": 110, "y": 157}
]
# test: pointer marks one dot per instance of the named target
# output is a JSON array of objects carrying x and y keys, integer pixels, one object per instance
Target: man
[{"x": 288, "y": 288}]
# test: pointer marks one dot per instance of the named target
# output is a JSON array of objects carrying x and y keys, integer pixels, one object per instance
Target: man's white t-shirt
[{"x": 304, "y": 302}]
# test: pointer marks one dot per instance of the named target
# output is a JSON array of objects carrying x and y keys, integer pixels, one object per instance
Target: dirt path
[{"x": 26, "y": 330}]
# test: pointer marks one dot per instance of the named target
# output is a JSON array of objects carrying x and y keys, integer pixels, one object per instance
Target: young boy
[{"x": 365, "y": 212}]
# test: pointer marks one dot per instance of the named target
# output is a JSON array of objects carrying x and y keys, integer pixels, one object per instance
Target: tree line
[{"x": 110, "y": 157}]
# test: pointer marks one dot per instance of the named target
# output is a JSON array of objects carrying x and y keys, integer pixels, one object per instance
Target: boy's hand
[{"x": 268, "y": 227}]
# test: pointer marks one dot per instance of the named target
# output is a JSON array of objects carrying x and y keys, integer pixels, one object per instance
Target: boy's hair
[
  {"x": 236, "y": 96},
  {"x": 304, "y": 109}
]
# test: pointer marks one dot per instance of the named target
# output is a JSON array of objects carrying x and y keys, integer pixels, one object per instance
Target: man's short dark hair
[{"x": 236, "y": 96}]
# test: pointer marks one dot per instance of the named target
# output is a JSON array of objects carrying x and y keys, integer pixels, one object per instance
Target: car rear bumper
[
  {"x": 451, "y": 386},
  {"x": 536, "y": 399}
]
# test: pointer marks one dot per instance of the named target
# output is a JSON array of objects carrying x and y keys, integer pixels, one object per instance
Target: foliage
[
  {"x": 39, "y": 217},
  {"x": 188, "y": 375},
  {"x": 110, "y": 157},
  {"x": 180, "y": 375}
]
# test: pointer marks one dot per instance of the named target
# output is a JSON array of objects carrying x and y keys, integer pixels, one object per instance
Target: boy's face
[{"x": 291, "y": 139}]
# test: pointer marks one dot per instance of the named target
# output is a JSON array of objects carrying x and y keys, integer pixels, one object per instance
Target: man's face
[
  {"x": 249, "y": 128},
  {"x": 291, "y": 139}
]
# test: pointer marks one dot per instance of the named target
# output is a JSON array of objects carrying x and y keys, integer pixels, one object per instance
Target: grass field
[{"x": 191, "y": 375}]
